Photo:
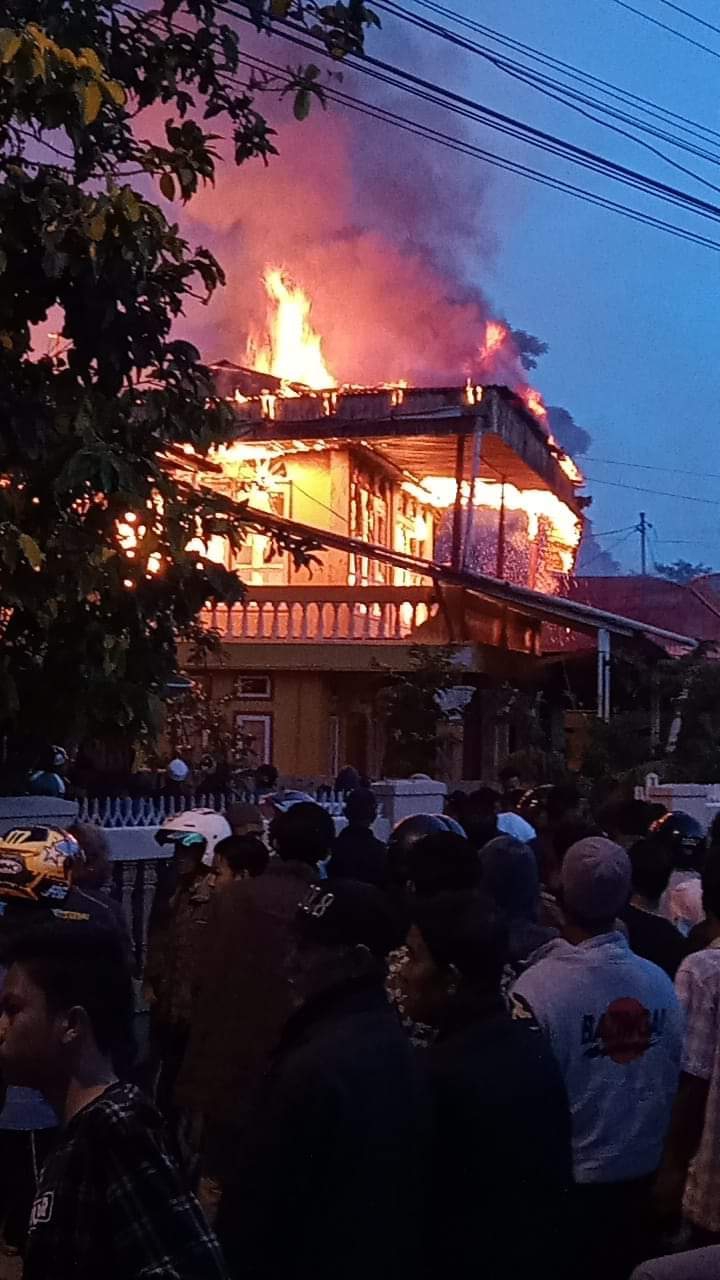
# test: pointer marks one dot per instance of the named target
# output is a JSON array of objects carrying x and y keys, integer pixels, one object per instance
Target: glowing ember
[{"x": 292, "y": 350}]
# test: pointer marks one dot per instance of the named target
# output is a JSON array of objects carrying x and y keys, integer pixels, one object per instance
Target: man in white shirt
[{"x": 615, "y": 1026}]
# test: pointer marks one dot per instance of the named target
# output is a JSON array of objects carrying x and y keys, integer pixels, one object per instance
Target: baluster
[
  {"x": 149, "y": 888},
  {"x": 129, "y": 879},
  {"x": 368, "y": 619},
  {"x": 304, "y": 616}
]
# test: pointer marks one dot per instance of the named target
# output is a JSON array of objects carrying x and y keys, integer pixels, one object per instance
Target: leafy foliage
[
  {"x": 412, "y": 713},
  {"x": 95, "y": 436}
]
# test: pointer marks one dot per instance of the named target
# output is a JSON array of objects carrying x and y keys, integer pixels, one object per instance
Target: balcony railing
[{"x": 382, "y": 614}]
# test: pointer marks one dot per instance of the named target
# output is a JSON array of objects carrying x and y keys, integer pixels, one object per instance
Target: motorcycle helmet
[
  {"x": 36, "y": 864},
  {"x": 199, "y": 829},
  {"x": 683, "y": 835}
]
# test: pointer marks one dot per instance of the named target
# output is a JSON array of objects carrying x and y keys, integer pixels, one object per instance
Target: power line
[
  {"x": 458, "y": 145},
  {"x": 693, "y": 16},
  {"x": 673, "y": 32},
  {"x": 438, "y": 95},
  {"x": 659, "y": 493},
  {"x": 556, "y": 92},
  {"x": 646, "y": 466},
  {"x": 571, "y": 72}
]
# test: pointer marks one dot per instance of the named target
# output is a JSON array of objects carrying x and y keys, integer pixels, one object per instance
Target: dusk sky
[
  {"x": 631, "y": 314},
  {"x": 426, "y": 243}
]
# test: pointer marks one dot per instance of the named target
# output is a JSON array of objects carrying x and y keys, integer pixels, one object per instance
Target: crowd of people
[{"x": 491, "y": 1043}]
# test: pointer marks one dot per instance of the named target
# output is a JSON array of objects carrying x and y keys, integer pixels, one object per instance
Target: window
[
  {"x": 255, "y": 688},
  {"x": 254, "y": 736}
]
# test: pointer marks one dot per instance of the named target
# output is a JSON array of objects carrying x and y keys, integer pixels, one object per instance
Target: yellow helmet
[{"x": 36, "y": 863}]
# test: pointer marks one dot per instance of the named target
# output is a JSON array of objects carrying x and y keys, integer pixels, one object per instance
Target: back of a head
[
  {"x": 443, "y": 862},
  {"x": 509, "y": 875},
  {"x": 266, "y": 777},
  {"x": 361, "y": 808},
  {"x": 714, "y": 833},
  {"x": 303, "y": 833},
  {"x": 562, "y": 799},
  {"x": 595, "y": 883},
  {"x": 348, "y": 779},
  {"x": 484, "y": 802},
  {"x": 244, "y": 817},
  {"x": 569, "y": 832},
  {"x": 625, "y": 820},
  {"x": 651, "y": 865},
  {"x": 711, "y": 884},
  {"x": 465, "y": 931},
  {"x": 77, "y": 964},
  {"x": 684, "y": 837},
  {"x": 95, "y": 869},
  {"x": 347, "y": 914},
  {"x": 244, "y": 855}
]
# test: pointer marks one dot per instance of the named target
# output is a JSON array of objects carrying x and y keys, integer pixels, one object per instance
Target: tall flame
[
  {"x": 534, "y": 402},
  {"x": 292, "y": 350},
  {"x": 495, "y": 335}
]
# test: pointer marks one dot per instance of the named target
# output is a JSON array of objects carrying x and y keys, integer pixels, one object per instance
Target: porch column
[
  {"x": 457, "y": 529},
  {"x": 603, "y": 674}
]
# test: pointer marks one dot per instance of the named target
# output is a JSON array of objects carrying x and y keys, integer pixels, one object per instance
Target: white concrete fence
[{"x": 130, "y": 826}]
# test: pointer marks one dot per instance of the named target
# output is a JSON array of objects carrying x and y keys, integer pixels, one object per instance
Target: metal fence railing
[{"x": 151, "y": 811}]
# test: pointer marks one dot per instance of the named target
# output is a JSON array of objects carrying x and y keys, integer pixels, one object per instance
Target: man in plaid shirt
[
  {"x": 690, "y": 1177},
  {"x": 110, "y": 1199}
]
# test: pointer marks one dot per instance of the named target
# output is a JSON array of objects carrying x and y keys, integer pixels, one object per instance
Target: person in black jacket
[
  {"x": 357, "y": 853},
  {"x": 501, "y": 1164},
  {"x": 328, "y": 1181},
  {"x": 650, "y": 935}
]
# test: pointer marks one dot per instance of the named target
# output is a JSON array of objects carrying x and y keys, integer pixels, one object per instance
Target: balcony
[{"x": 328, "y": 615}]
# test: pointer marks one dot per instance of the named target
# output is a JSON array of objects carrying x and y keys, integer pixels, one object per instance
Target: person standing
[
  {"x": 110, "y": 1200},
  {"x": 650, "y": 934},
  {"x": 615, "y": 1026},
  {"x": 690, "y": 1176},
  {"x": 329, "y": 1179},
  {"x": 501, "y": 1168},
  {"x": 357, "y": 853}
]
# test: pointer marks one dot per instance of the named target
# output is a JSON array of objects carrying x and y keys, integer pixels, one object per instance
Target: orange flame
[
  {"x": 495, "y": 335},
  {"x": 292, "y": 350},
  {"x": 534, "y": 402}
]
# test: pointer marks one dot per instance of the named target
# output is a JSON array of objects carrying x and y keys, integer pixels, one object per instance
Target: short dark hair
[
  {"x": 651, "y": 865},
  {"x": 569, "y": 832},
  {"x": 626, "y": 818},
  {"x": 562, "y": 799},
  {"x": 303, "y": 833},
  {"x": 243, "y": 853},
  {"x": 443, "y": 862},
  {"x": 465, "y": 930},
  {"x": 361, "y": 806},
  {"x": 484, "y": 801},
  {"x": 711, "y": 883},
  {"x": 714, "y": 833},
  {"x": 266, "y": 775},
  {"x": 95, "y": 870},
  {"x": 74, "y": 963}
]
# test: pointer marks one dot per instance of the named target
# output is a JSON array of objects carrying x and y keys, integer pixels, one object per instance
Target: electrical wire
[
  {"x": 647, "y": 466},
  {"x": 438, "y": 95},
  {"x": 567, "y": 69},
  {"x": 461, "y": 146},
  {"x": 665, "y": 26},
  {"x": 608, "y": 551},
  {"x": 694, "y": 16},
  {"x": 659, "y": 493},
  {"x": 391, "y": 7}
]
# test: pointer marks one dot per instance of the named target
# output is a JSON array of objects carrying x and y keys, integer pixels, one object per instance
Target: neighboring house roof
[{"x": 692, "y": 608}]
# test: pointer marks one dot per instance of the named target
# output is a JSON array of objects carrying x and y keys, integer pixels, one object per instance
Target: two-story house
[{"x": 405, "y": 488}]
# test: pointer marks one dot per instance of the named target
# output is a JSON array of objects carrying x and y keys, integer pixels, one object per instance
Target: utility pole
[{"x": 643, "y": 531}]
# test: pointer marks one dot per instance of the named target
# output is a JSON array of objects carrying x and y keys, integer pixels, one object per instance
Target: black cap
[{"x": 350, "y": 914}]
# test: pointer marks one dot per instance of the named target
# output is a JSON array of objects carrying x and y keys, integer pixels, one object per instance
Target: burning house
[{"x": 404, "y": 486}]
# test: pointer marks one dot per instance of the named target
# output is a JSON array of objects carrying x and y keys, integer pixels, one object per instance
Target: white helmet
[{"x": 192, "y": 827}]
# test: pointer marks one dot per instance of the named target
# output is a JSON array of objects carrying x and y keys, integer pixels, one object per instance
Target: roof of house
[{"x": 692, "y": 608}]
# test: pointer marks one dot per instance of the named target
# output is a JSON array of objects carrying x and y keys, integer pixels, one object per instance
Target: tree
[
  {"x": 412, "y": 711},
  {"x": 97, "y": 582},
  {"x": 682, "y": 571}
]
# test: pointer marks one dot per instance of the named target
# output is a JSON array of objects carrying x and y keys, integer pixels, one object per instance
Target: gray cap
[{"x": 595, "y": 879}]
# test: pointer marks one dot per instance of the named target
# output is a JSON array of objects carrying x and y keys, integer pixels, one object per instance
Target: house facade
[{"x": 403, "y": 488}]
